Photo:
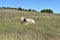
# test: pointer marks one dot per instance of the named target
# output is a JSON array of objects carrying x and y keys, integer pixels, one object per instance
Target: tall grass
[{"x": 47, "y": 26}]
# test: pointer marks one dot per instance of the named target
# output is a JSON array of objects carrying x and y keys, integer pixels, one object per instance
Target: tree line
[
  {"x": 19, "y": 8},
  {"x": 22, "y": 9}
]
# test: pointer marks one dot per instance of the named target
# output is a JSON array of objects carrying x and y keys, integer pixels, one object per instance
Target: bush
[{"x": 46, "y": 11}]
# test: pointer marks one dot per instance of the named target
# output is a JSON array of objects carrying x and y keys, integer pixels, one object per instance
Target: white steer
[{"x": 27, "y": 21}]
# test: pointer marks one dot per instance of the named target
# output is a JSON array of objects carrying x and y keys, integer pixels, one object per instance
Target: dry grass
[{"x": 47, "y": 26}]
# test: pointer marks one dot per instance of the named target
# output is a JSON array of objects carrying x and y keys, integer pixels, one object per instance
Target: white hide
[
  {"x": 22, "y": 18},
  {"x": 29, "y": 21}
]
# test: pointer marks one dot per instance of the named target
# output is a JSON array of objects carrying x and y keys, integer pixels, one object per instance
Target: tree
[
  {"x": 0, "y": 7},
  {"x": 46, "y": 11},
  {"x": 25, "y": 10},
  {"x": 3, "y": 7},
  {"x": 19, "y": 8},
  {"x": 34, "y": 10},
  {"x": 29, "y": 9}
]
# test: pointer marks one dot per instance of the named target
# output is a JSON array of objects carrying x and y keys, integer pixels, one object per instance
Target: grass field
[{"x": 47, "y": 26}]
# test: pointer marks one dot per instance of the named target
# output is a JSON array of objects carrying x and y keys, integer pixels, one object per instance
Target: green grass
[{"x": 47, "y": 26}]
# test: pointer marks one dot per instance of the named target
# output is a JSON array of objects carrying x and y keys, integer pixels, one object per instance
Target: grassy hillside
[{"x": 47, "y": 26}]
